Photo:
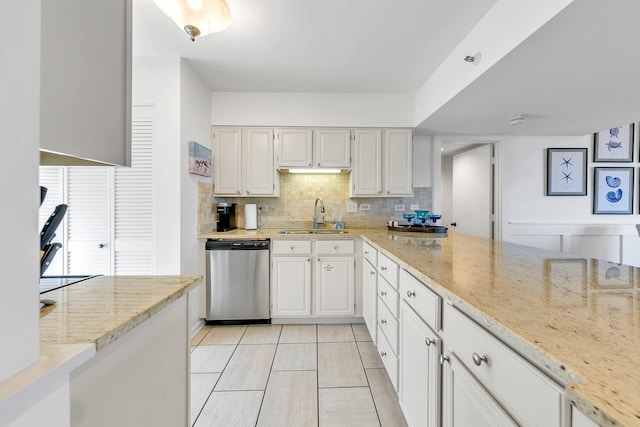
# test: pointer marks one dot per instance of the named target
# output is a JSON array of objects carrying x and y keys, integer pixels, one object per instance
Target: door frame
[{"x": 496, "y": 162}]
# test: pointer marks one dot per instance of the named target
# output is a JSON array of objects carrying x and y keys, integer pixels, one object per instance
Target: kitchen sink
[{"x": 312, "y": 231}]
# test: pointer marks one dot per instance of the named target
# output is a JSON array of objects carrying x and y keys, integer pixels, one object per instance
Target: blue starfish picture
[
  {"x": 567, "y": 176},
  {"x": 567, "y": 162}
]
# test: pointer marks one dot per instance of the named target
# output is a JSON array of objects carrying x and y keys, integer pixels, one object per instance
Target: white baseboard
[{"x": 196, "y": 327}]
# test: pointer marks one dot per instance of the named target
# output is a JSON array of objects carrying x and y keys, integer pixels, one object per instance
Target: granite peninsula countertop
[
  {"x": 102, "y": 309},
  {"x": 577, "y": 317}
]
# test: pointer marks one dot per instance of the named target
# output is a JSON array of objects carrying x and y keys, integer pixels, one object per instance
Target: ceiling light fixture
[
  {"x": 197, "y": 17},
  {"x": 516, "y": 119}
]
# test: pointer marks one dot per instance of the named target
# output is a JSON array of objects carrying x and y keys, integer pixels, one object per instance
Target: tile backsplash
[{"x": 298, "y": 192}]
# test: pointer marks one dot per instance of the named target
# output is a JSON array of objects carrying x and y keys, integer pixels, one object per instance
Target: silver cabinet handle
[
  {"x": 428, "y": 341},
  {"x": 379, "y": 191},
  {"x": 443, "y": 359},
  {"x": 411, "y": 294},
  {"x": 318, "y": 163},
  {"x": 291, "y": 247},
  {"x": 308, "y": 259},
  {"x": 248, "y": 192},
  {"x": 372, "y": 272},
  {"x": 366, "y": 252},
  {"x": 388, "y": 191},
  {"x": 383, "y": 322},
  {"x": 383, "y": 293},
  {"x": 310, "y": 164},
  {"x": 383, "y": 353},
  {"x": 477, "y": 359},
  {"x": 335, "y": 248},
  {"x": 383, "y": 268},
  {"x": 238, "y": 191},
  {"x": 101, "y": 245}
]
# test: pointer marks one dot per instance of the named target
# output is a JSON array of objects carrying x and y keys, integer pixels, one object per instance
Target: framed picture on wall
[
  {"x": 613, "y": 191},
  {"x": 614, "y": 145},
  {"x": 566, "y": 171},
  {"x": 199, "y": 159}
]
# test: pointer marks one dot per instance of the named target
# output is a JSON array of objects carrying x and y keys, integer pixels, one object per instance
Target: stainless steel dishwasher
[{"x": 237, "y": 281}]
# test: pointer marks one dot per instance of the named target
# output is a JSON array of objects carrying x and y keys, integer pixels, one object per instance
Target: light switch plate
[
  {"x": 352, "y": 206},
  {"x": 399, "y": 208},
  {"x": 414, "y": 207},
  {"x": 365, "y": 206}
]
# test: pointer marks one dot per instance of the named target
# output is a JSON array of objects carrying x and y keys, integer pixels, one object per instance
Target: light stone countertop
[
  {"x": 102, "y": 309},
  {"x": 579, "y": 318}
]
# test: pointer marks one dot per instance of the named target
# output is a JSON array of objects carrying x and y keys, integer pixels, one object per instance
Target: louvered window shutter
[{"x": 134, "y": 219}]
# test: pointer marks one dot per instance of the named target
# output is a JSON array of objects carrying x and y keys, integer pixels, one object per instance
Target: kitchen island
[
  {"x": 116, "y": 352},
  {"x": 578, "y": 319}
]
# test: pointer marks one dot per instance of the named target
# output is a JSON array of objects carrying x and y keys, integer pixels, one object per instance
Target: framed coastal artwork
[
  {"x": 199, "y": 159},
  {"x": 614, "y": 145},
  {"x": 613, "y": 191},
  {"x": 566, "y": 171}
]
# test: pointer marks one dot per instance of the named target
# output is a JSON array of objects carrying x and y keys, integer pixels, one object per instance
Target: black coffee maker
[{"x": 226, "y": 217}]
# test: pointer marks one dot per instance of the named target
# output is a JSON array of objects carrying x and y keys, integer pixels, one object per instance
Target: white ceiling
[
  {"x": 576, "y": 75},
  {"x": 316, "y": 45}
]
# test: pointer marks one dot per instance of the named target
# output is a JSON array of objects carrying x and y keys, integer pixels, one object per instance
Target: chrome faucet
[{"x": 316, "y": 221}]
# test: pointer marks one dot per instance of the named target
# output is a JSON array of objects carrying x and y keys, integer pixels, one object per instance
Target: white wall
[
  {"x": 156, "y": 81},
  {"x": 195, "y": 125},
  {"x": 422, "y": 160},
  {"x": 503, "y": 28},
  {"x": 312, "y": 109},
  {"x": 19, "y": 133}
]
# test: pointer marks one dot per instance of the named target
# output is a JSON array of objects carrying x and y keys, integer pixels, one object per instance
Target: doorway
[{"x": 470, "y": 187}]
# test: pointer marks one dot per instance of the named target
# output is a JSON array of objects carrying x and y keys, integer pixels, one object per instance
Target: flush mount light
[
  {"x": 302, "y": 170},
  {"x": 516, "y": 119},
  {"x": 197, "y": 17}
]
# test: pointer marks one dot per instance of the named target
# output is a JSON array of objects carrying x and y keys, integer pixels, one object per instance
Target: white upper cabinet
[
  {"x": 317, "y": 148},
  {"x": 366, "y": 174},
  {"x": 259, "y": 174},
  {"x": 227, "y": 145},
  {"x": 332, "y": 148},
  {"x": 294, "y": 148},
  {"x": 85, "y": 89},
  {"x": 243, "y": 162},
  {"x": 398, "y": 171}
]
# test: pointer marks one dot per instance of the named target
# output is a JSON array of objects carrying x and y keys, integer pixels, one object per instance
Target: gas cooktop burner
[{"x": 50, "y": 283}]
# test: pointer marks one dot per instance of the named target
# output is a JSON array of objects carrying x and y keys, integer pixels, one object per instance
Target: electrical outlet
[
  {"x": 263, "y": 208},
  {"x": 399, "y": 208},
  {"x": 414, "y": 207},
  {"x": 365, "y": 206},
  {"x": 352, "y": 206}
]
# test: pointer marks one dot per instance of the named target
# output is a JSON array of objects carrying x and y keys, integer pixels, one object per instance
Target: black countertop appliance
[{"x": 226, "y": 217}]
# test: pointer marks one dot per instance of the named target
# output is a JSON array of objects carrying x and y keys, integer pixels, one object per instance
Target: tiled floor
[{"x": 290, "y": 375}]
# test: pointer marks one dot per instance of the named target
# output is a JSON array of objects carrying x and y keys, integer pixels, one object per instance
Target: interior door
[{"x": 471, "y": 191}]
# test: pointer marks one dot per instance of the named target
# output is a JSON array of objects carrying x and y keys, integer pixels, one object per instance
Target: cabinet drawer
[
  {"x": 291, "y": 247},
  {"x": 389, "y": 325},
  {"x": 370, "y": 253},
  {"x": 388, "y": 269},
  {"x": 389, "y": 358},
  {"x": 515, "y": 382},
  {"x": 389, "y": 296},
  {"x": 333, "y": 247},
  {"x": 422, "y": 299}
]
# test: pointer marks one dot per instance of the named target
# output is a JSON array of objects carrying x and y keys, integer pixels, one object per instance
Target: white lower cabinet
[
  {"x": 518, "y": 386},
  {"x": 420, "y": 371},
  {"x": 466, "y": 403},
  {"x": 335, "y": 286},
  {"x": 370, "y": 298},
  {"x": 312, "y": 278}
]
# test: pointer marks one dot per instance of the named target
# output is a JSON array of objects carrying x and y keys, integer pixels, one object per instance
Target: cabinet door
[
  {"x": 398, "y": 171},
  {"x": 294, "y": 148},
  {"x": 335, "y": 286},
  {"x": 370, "y": 298},
  {"x": 466, "y": 402},
  {"x": 85, "y": 86},
  {"x": 366, "y": 173},
  {"x": 332, "y": 148},
  {"x": 228, "y": 161},
  {"x": 419, "y": 370},
  {"x": 291, "y": 286},
  {"x": 257, "y": 154}
]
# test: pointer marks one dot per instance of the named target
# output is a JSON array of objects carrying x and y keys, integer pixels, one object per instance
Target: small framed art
[
  {"x": 199, "y": 159},
  {"x": 613, "y": 191},
  {"x": 614, "y": 145},
  {"x": 566, "y": 171}
]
